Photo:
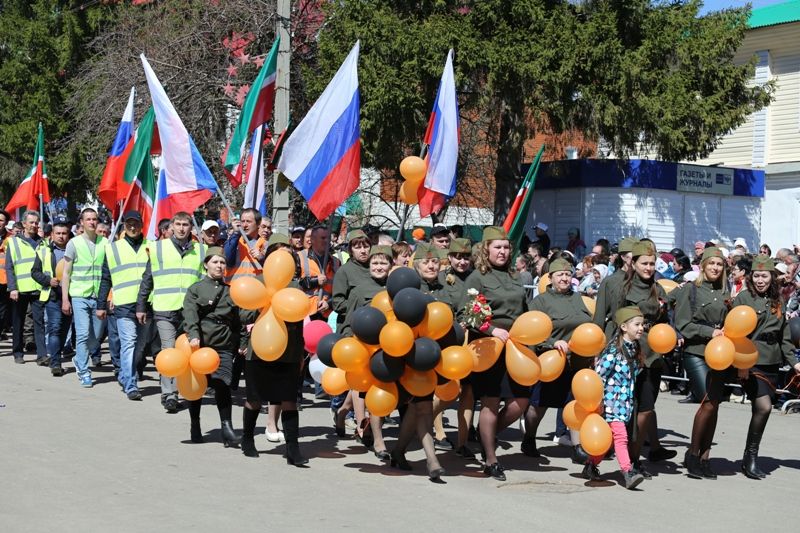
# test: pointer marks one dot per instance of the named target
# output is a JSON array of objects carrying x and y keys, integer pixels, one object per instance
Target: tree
[{"x": 641, "y": 76}]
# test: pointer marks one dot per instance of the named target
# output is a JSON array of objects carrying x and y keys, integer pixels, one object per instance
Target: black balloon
[
  {"x": 409, "y": 306},
  {"x": 454, "y": 337},
  {"x": 367, "y": 323},
  {"x": 385, "y": 367},
  {"x": 794, "y": 330},
  {"x": 425, "y": 355},
  {"x": 325, "y": 348},
  {"x": 441, "y": 380},
  {"x": 429, "y": 299},
  {"x": 402, "y": 278}
]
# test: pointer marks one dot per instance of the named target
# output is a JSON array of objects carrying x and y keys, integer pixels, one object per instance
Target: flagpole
[
  {"x": 122, "y": 209},
  {"x": 228, "y": 207},
  {"x": 259, "y": 163},
  {"x": 41, "y": 207}
]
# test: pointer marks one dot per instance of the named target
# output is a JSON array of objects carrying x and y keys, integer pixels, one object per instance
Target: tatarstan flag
[
  {"x": 139, "y": 176},
  {"x": 256, "y": 111},
  {"x": 518, "y": 214},
  {"x": 33, "y": 188}
]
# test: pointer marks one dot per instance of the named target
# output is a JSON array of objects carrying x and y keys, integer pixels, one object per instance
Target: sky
[{"x": 716, "y": 5}]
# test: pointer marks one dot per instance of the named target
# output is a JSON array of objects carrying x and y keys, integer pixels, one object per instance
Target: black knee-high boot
[
  {"x": 291, "y": 430},
  {"x": 196, "y": 434},
  {"x": 761, "y": 408},
  {"x": 249, "y": 417},
  {"x": 222, "y": 393}
]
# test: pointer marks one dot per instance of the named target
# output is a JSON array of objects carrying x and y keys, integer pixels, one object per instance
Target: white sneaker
[
  {"x": 563, "y": 440},
  {"x": 276, "y": 437}
]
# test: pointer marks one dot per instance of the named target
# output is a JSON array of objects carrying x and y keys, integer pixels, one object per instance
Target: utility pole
[{"x": 280, "y": 190}]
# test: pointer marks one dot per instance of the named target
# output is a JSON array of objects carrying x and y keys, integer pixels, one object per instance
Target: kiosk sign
[{"x": 714, "y": 180}]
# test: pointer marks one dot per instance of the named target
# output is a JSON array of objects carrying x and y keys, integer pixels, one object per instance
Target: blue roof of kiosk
[{"x": 635, "y": 173}]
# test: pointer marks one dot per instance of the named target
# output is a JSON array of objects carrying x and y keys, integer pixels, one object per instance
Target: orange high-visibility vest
[
  {"x": 311, "y": 269},
  {"x": 247, "y": 265},
  {"x": 3, "y": 278}
]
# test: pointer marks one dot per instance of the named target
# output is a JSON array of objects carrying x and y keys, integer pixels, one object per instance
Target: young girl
[{"x": 618, "y": 366}]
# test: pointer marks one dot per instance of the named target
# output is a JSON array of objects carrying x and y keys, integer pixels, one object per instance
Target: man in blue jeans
[
  {"x": 44, "y": 272},
  {"x": 83, "y": 264}
]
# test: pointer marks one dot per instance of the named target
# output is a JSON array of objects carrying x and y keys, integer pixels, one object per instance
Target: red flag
[{"x": 33, "y": 188}]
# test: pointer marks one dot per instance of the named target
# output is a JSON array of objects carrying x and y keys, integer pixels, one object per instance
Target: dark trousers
[
  {"x": 5, "y": 318},
  {"x": 18, "y": 310},
  {"x": 58, "y": 325}
]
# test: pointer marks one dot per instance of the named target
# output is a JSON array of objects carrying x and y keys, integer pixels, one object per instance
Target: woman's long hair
[
  {"x": 773, "y": 292},
  {"x": 702, "y": 274},
  {"x": 626, "y": 285},
  {"x": 619, "y": 342},
  {"x": 482, "y": 263}
]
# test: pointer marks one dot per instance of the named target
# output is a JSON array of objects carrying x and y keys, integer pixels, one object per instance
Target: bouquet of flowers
[{"x": 477, "y": 313}]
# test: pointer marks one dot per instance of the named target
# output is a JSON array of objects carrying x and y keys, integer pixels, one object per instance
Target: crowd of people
[{"x": 78, "y": 285}]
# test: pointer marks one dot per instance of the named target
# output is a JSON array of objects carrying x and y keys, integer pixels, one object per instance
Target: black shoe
[
  {"x": 590, "y": 472},
  {"x": 398, "y": 460},
  {"x": 495, "y": 471},
  {"x": 705, "y": 466},
  {"x": 383, "y": 455},
  {"x": 661, "y": 454},
  {"x": 750, "y": 467},
  {"x": 436, "y": 473},
  {"x": 19, "y": 360},
  {"x": 692, "y": 464},
  {"x": 97, "y": 363},
  {"x": 57, "y": 371},
  {"x": 249, "y": 447},
  {"x": 195, "y": 433},
  {"x": 529, "y": 447},
  {"x": 135, "y": 395},
  {"x": 465, "y": 452},
  {"x": 688, "y": 399},
  {"x": 444, "y": 444},
  {"x": 639, "y": 469},
  {"x": 171, "y": 405},
  {"x": 293, "y": 455},
  {"x": 579, "y": 455},
  {"x": 229, "y": 436},
  {"x": 43, "y": 361},
  {"x": 632, "y": 479}
]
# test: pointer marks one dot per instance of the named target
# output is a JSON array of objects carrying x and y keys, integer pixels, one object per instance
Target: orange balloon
[
  {"x": 587, "y": 340},
  {"x": 413, "y": 168},
  {"x": 350, "y": 355},
  {"x": 396, "y": 338},
  {"x": 587, "y": 388},
  {"x": 522, "y": 364},
  {"x": 382, "y": 398},
  {"x": 269, "y": 337},
  {"x": 552, "y": 363},
  {"x": 361, "y": 379},
  {"x": 719, "y": 353},
  {"x": 437, "y": 322},
  {"x": 182, "y": 343},
  {"x": 449, "y": 391},
  {"x": 290, "y": 305},
  {"x": 574, "y": 415},
  {"x": 204, "y": 361},
  {"x": 544, "y": 281},
  {"x": 746, "y": 354},
  {"x": 485, "y": 352},
  {"x": 740, "y": 322},
  {"x": 248, "y": 293},
  {"x": 172, "y": 362},
  {"x": 590, "y": 304},
  {"x": 456, "y": 363},
  {"x": 390, "y": 316},
  {"x": 596, "y": 437},
  {"x": 192, "y": 385},
  {"x": 279, "y": 269},
  {"x": 60, "y": 270},
  {"x": 662, "y": 338},
  {"x": 531, "y": 328},
  {"x": 382, "y": 302},
  {"x": 418, "y": 383},
  {"x": 668, "y": 285},
  {"x": 409, "y": 193},
  {"x": 334, "y": 381}
]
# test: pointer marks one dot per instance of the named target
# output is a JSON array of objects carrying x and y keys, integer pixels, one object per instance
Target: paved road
[{"x": 76, "y": 459}]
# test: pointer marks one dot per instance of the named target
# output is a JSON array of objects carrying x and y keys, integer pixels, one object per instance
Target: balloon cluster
[
  {"x": 584, "y": 412},
  {"x": 277, "y": 302},
  {"x": 189, "y": 366},
  {"x": 413, "y": 169},
  {"x": 734, "y": 348},
  {"x": 403, "y": 336}
]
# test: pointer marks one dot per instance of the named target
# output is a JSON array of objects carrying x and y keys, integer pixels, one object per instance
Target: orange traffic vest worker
[
  {"x": 318, "y": 266},
  {"x": 3, "y": 276},
  {"x": 245, "y": 257}
]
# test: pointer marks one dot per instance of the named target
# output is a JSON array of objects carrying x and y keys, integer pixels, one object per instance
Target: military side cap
[
  {"x": 212, "y": 251},
  {"x": 624, "y": 314},
  {"x": 626, "y": 245},
  {"x": 712, "y": 251},
  {"x": 494, "y": 233},
  {"x": 377, "y": 250},
  {"x": 643, "y": 248},
  {"x": 460, "y": 246},
  {"x": 560, "y": 265},
  {"x": 763, "y": 263},
  {"x": 426, "y": 250},
  {"x": 277, "y": 238},
  {"x": 356, "y": 234}
]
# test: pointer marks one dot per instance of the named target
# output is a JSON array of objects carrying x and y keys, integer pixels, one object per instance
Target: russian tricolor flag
[
  {"x": 442, "y": 141},
  {"x": 112, "y": 185},
  {"x": 322, "y": 157}
]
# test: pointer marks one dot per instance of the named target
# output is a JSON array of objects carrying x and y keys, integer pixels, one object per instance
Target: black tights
[
  {"x": 705, "y": 424},
  {"x": 222, "y": 393},
  {"x": 760, "y": 410}
]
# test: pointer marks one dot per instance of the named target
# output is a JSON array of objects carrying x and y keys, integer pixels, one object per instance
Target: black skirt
[
  {"x": 496, "y": 383},
  {"x": 272, "y": 382},
  {"x": 225, "y": 371}
]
